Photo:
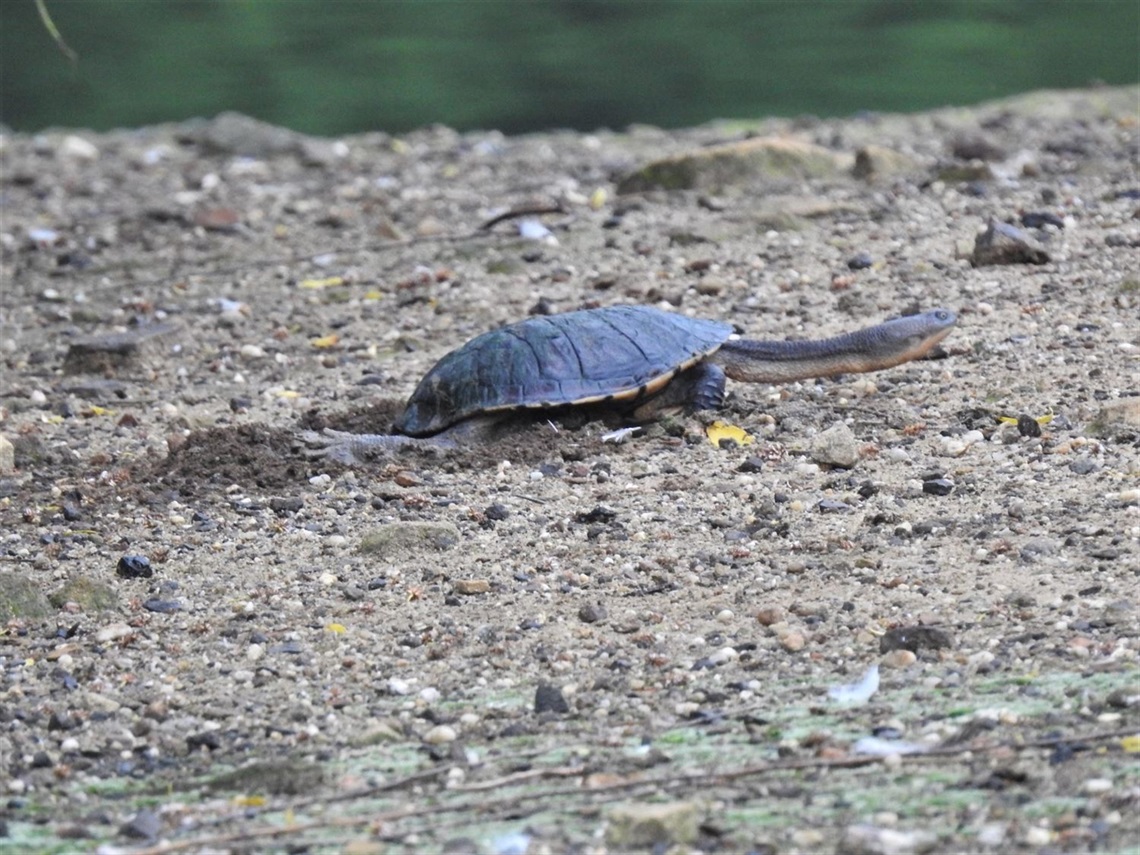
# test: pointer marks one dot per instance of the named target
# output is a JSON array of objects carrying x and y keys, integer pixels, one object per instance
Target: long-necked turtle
[{"x": 637, "y": 360}]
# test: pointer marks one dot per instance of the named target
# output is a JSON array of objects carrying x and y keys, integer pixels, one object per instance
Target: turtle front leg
[{"x": 698, "y": 388}]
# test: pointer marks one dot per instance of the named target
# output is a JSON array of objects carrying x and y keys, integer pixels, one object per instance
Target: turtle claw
[{"x": 621, "y": 434}]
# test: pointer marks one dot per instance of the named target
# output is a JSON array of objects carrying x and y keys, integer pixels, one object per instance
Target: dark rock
[
  {"x": 208, "y": 739},
  {"x": 111, "y": 353},
  {"x": 751, "y": 464},
  {"x": 144, "y": 825},
  {"x": 599, "y": 514},
  {"x": 1028, "y": 426},
  {"x": 591, "y": 613},
  {"x": 282, "y": 505},
  {"x": 913, "y": 638},
  {"x": 1002, "y": 243},
  {"x": 938, "y": 487},
  {"x": 134, "y": 567},
  {"x": 1035, "y": 220},
  {"x": 976, "y": 147},
  {"x": 549, "y": 698}
]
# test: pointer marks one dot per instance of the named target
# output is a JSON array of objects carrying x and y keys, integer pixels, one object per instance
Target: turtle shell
[{"x": 587, "y": 357}]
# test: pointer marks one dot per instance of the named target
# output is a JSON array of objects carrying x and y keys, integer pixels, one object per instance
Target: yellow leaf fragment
[
  {"x": 1131, "y": 744},
  {"x": 338, "y": 628},
  {"x": 250, "y": 801},
  {"x": 318, "y": 284},
  {"x": 96, "y": 410},
  {"x": 287, "y": 393},
  {"x": 1012, "y": 420},
  {"x": 718, "y": 432},
  {"x": 326, "y": 341},
  {"x": 598, "y": 198}
]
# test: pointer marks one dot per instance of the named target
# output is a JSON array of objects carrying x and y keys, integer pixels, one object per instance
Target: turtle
[{"x": 639, "y": 361}]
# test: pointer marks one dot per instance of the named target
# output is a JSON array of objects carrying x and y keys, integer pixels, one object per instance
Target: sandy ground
[{"x": 548, "y": 643}]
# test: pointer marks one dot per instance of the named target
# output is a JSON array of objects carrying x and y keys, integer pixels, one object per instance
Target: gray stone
[
  {"x": 643, "y": 826},
  {"x": 836, "y": 446},
  {"x": 398, "y": 537},
  {"x": 20, "y": 597},
  {"x": 720, "y": 166}
]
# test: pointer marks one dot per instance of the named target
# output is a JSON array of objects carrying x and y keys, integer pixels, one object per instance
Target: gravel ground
[{"x": 214, "y": 642}]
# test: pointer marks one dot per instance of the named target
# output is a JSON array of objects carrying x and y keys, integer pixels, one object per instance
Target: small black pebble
[
  {"x": 377, "y": 583},
  {"x": 1061, "y": 754},
  {"x": 134, "y": 567},
  {"x": 599, "y": 514},
  {"x": 1028, "y": 426},
  {"x": 549, "y": 698},
  {"x": 938, "y": 487},
  {"x": 41, "y": 760},
  {"x": 59, "y": 721},
  {"x": 860, "y": 261},
  {"x": 496, "y": 512},
  {"x": 1035, "y": 220},
  {"x": 751, "y": 464},
  {"x": 209, "y": 739}
]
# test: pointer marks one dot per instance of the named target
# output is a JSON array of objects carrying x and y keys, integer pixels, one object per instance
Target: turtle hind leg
[
  {"x": 350, "y": 448},
  {"x": 698, "y": 388}
]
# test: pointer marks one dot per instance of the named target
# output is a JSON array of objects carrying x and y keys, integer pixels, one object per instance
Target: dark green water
[{"x": 333, "y": 66}]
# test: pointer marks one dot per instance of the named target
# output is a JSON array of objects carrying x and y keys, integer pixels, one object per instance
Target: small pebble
[
  {"x": 7, "y": 455},
  {"x": 723, "y": 655},
  {"x": 899, "y": 659},
  {"x": 441, "y": 734},
  {"x": 1036, "y": 836},
  {"x": 472, "y": 586},
  {"x": 1097, "y": 786},
  {"x": 770, "y": 615},
  {"x": 113, "y": 632},
  {"x": 77, "y": 148},
  {"x": 793, "y": 641},
  {"x": 591, "y": 613}
]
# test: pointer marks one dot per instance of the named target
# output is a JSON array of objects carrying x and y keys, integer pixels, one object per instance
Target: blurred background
[{"x": 335, "y": 66}]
